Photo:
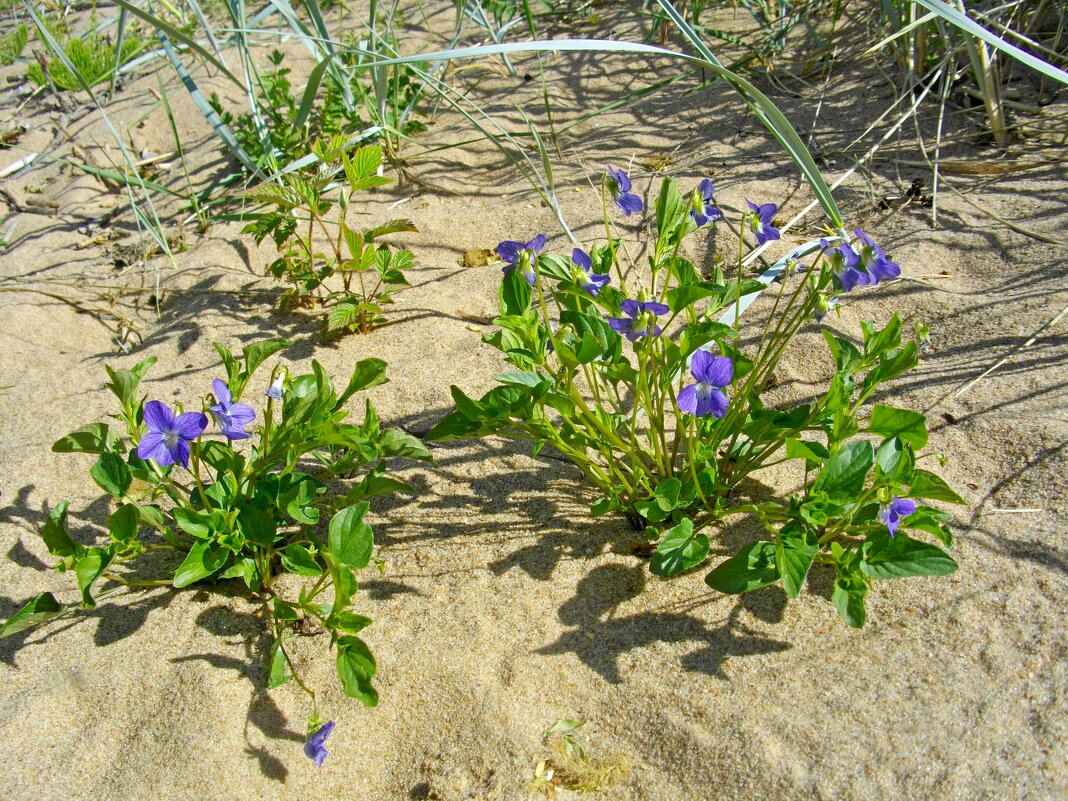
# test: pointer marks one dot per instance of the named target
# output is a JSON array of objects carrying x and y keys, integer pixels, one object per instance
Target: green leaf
[
  {"x": 43, "y": 607},
  {"x": 515, "y": 293},
  {"x": 94, "y": 438},
  {"x": 258, "y": 352},
  {"x": 681, "y": 297},
  {"x": 848, "y": 599},
  {"x": 603, "y": 506},
  {"x": 883, "y": 557},
  {"x": 933, "y": 521},
  {"x": 202, "y": 561},
  {"x": 366, "y": 374},
  {"x": 375, "y": 483},
  {"x": 525, "y": 378},
  {"x": 112, "y": 474},
  {"x": 930, "y": 486},
  {"x": 356, "y": 667},
  {"x": 351, "y": 539},
  {"x": 596, "y": 339},
  {"x": 88, "y": 569},
  {"x": 122, "y": 525},
  {"x": 814, "y": 453},
  {"x": 680, "y": 550},
  {"x": 196, "y": 524},
  {"x": 349, "y": 622},
  {"x": 56, "y": 534},
  {"x": 794, "y": 552},
  {"x": 894, "y": 462},
  {"x": 298, "y": 559},
  {"x": 233, "y": 369},
  {"x": 279, "y": 671},
  {"x": 667, "y": 493},
  {"x": 670, "y": 208},
  {"x": 878, "y": 341},
  {"x": 401, "y": 443},
  {"x": 751, "y": 568},
  {"x": 842, "y": 478},
  {"x": 890, "y": 422}
]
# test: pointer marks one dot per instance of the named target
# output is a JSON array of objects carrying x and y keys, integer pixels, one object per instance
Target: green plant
[
  {"x": 229, "y": 512},
  {"x": 12, "y": 44},
  {"x": 94, "y": 57},
  {"x": 662, "y": 407},
  {"x": 313, "y": 253}
]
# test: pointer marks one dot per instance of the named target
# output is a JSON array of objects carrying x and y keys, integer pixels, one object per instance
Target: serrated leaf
[
  {"x": 356, "y": 667},
  {"x": 884, "y": 557},
  {"x": 842, "y": 478},
  {"x": 910, "y": 426},
  {"x": 202, "y": 561},
  {"x": 351, "y": 539},
  {"x": 680, "y": 550},
  {"x": 94, "y": 438},
  {"x": 794, "y": 553},
  {"x": 112, "y": 474},
  {"x": 56, "y": 534},
  {"x": 751, "y": 568},
  {"x": 926, "y": 484},
  {"x": 43, "y": 607}
]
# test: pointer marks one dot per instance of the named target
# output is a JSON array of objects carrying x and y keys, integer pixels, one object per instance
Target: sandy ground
[{"x": 505, "y": 606}]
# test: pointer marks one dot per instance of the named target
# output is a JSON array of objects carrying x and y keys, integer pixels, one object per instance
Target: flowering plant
[
  {"x": 314, "y": 248},
  {"x": 244, "y": 513},
  {"x": 662, "y": 408}
]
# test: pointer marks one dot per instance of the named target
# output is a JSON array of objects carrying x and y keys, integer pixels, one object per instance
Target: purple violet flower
[
  {"x": 640, "y": 320},
  {"x": 168, "y": 437},
  {"x": 873, "y": 260},
  {"x": 891, "y": 514},
  {"x": 522, "y": 256},
  {"x": 619, "y": 183},
  {"x": 584, "y": 275},
  {"x": 844, "y": 261},
  {"x": 701, "y": 209},
  {"x": 315, "y": 748},
  {"x": 707, "y": 395},
  {"x": 231, "y": 417},
  {"x": 760, "y": 218}
]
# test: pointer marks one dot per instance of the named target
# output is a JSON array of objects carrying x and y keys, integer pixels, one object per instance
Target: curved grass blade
[
  {"x": 768, "y": 113},
  {"x": 178, "y": 36},
  {"x": 961, "y": 20}
]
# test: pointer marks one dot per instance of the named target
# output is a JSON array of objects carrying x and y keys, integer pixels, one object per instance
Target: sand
[{"x": 505, "y": 606}]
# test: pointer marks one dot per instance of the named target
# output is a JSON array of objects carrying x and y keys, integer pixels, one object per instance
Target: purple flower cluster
[
  {"x": 864, "y": 267},
  {"x": 168, "y": 438}
]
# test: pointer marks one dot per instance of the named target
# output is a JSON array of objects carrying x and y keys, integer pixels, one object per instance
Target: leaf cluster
[
  {"x": 285, "y": 505},
  {"x": 350, "y": 273}
]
